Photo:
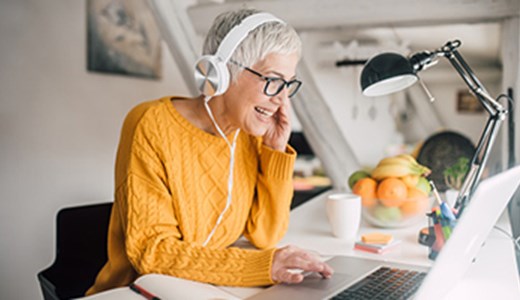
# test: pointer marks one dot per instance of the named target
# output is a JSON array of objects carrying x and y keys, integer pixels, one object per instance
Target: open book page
[
  {"x": 166, "y": 288},
  {"x": 114, "y": 294}
]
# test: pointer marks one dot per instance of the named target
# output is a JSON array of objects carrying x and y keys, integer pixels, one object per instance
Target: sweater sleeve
[
  {"x": 153, "y": 241},
  {"x": 269, "y": 217}
]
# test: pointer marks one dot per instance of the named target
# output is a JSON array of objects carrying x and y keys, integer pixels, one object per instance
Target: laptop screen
[{"x": 472, "y": 229}]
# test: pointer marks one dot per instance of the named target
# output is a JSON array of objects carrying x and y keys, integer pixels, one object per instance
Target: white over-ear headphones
[{"x": 211, "y": 71}]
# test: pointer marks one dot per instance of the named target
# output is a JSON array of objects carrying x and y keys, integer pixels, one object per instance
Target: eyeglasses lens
[{"x": 275, "y": 86}]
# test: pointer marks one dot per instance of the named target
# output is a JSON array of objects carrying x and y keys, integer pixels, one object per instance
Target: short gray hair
[{"x": 271, "y": 37}]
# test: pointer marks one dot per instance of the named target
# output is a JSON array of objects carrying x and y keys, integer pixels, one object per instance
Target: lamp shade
[{"x": 386, "y": 73}]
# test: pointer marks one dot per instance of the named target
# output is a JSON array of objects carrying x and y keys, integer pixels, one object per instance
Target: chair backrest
[{"x": 81, "y": 251}]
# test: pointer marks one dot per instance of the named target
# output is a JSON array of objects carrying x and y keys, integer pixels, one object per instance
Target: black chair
[
  {"x": 298, "y": 140},
  {"x": 81, "y": 251}
]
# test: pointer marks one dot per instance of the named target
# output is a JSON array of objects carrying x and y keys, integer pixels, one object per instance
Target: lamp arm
[
  {"x": 459, "y": 64},
  {"x": 496, "y": 113},
  {"x": 479, "y": 160},
  {"x": 423, "y": 60},
  {"x": 376, "y": 72}
]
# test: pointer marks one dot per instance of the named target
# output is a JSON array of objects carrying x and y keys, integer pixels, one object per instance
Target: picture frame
[
  {"x": 123, "y": 38},
  {"x": 468, "y": 103}
]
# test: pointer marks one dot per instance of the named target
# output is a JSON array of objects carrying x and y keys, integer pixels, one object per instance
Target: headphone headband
[
  {"x": 238, "y": 33},
  {"x": 211, "y": 71}
]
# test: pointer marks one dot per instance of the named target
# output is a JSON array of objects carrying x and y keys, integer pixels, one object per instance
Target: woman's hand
[
  {"x": 291, "y": 257},
  {"x": 277, "y": 135}
]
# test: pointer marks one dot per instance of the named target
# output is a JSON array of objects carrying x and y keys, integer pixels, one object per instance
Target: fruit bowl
[
  {"x": 407, "y": 212},
  {"x": 395, "y": 193}
]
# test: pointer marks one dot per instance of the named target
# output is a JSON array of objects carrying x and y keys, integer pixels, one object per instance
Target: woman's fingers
[
  {"x": 327, "y": 271},
  {"x": 285, "y": 275},
  {"x": 290, "y": 258},
  {"x": 299, "y": 261},
  {"x": 279, "y": 132},
  {"x": 309, "y": 263}
]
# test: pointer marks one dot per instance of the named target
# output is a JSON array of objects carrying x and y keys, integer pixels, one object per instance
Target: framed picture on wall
[
  {"x": 123, "y": 38},
  {"x": 468, "y": 103}
]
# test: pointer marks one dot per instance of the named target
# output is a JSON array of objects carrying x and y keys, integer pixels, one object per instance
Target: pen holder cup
[{"x": 437, "y": 233}]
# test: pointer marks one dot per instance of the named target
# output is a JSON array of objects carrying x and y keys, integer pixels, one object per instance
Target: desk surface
[{"x": 494, "y": 275}]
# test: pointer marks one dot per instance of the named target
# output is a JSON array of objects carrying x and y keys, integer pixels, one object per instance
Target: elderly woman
[{"x": 185, "y": 192}]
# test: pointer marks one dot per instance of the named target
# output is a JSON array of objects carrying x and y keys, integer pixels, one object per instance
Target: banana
[
  {"x": 391, "y": 170},
  {"x": 407, "y": 161},
  {"x": 398, "y": 160},
  {"x": 408, "y": 157},
  {"x": 393, "y": 160}
]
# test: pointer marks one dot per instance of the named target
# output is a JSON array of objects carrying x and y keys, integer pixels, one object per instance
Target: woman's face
[{"x": 247, "y": 107}]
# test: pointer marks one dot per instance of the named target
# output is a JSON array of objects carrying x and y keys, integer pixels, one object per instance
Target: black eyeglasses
[{"x": 274, "y": 85}]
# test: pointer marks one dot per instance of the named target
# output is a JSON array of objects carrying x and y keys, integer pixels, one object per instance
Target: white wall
[
  {"x": 367, "y": 123},
  {"x": 59, "y": 128},
  {"x": 373, "y": 136},
  {"x": 444, "y": 83}
]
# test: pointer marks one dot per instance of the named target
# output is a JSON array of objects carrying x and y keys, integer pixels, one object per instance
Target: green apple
[
  {"x": 424, "y": 185},
  {"x": 387, "y": 214},
  {"x": 354, "y": 177}
]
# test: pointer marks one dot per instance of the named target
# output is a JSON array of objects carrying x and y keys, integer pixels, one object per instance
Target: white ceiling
[{"x": 480, "y": 42}]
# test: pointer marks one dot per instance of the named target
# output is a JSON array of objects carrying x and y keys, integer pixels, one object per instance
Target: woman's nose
[{"x": 282, "y": 96}]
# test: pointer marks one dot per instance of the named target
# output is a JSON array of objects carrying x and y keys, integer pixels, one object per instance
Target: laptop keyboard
[{"x": 384, "y": 283}]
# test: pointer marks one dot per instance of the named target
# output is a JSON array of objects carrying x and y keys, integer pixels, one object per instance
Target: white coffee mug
[{"x": 344, "y": 213}]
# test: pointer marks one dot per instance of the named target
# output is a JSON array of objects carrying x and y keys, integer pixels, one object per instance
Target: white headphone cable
[{"x": 232, "y": 147}]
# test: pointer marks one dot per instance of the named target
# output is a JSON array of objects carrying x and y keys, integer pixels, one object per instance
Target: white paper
[{"x": 167, "y": 288}]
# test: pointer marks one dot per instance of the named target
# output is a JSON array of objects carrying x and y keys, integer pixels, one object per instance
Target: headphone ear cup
[{"x": 211, "y": 75}]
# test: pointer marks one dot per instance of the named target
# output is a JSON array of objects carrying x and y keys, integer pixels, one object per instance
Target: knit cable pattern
[{"x": 171, "y": 187}]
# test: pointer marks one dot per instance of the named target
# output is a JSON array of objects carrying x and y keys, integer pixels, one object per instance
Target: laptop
[{"x": 353, "y": 274}]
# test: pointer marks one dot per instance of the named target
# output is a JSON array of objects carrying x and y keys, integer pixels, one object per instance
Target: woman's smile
[{"x": 265, "y": 115}]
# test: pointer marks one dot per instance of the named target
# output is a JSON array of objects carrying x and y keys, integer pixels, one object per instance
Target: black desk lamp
[{"x": 391, "y": 72}]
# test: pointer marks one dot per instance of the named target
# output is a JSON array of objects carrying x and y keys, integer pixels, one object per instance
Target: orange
[
  {"x": 417, "y": 202},
  {"x": 410, "y": 208},
  {"x": 416, "y": 193},
  {"x": 410, "y": 180},
  {"x": 366, "y": 188},
  {"x": 392, "y": 192},
  {"x": 368, "y": 202}
]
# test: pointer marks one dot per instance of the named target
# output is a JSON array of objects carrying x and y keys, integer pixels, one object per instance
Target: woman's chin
[{"x": 255, "y": 131}]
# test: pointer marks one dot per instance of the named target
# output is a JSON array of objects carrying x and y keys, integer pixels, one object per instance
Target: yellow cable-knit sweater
[{"x": 171, "y": 185}]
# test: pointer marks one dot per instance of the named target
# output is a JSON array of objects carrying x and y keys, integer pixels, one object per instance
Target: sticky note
[
  {"x": 375, "y": 248},
  {"x": 376, "y": 238}
]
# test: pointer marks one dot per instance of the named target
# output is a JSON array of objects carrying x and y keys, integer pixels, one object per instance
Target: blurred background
[{"x": 61, "y": 107}]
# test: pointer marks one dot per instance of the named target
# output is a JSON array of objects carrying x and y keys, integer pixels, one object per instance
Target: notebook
[
  {"x": 165, "y": 287},
  {"x": 473, "y": 227}
]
